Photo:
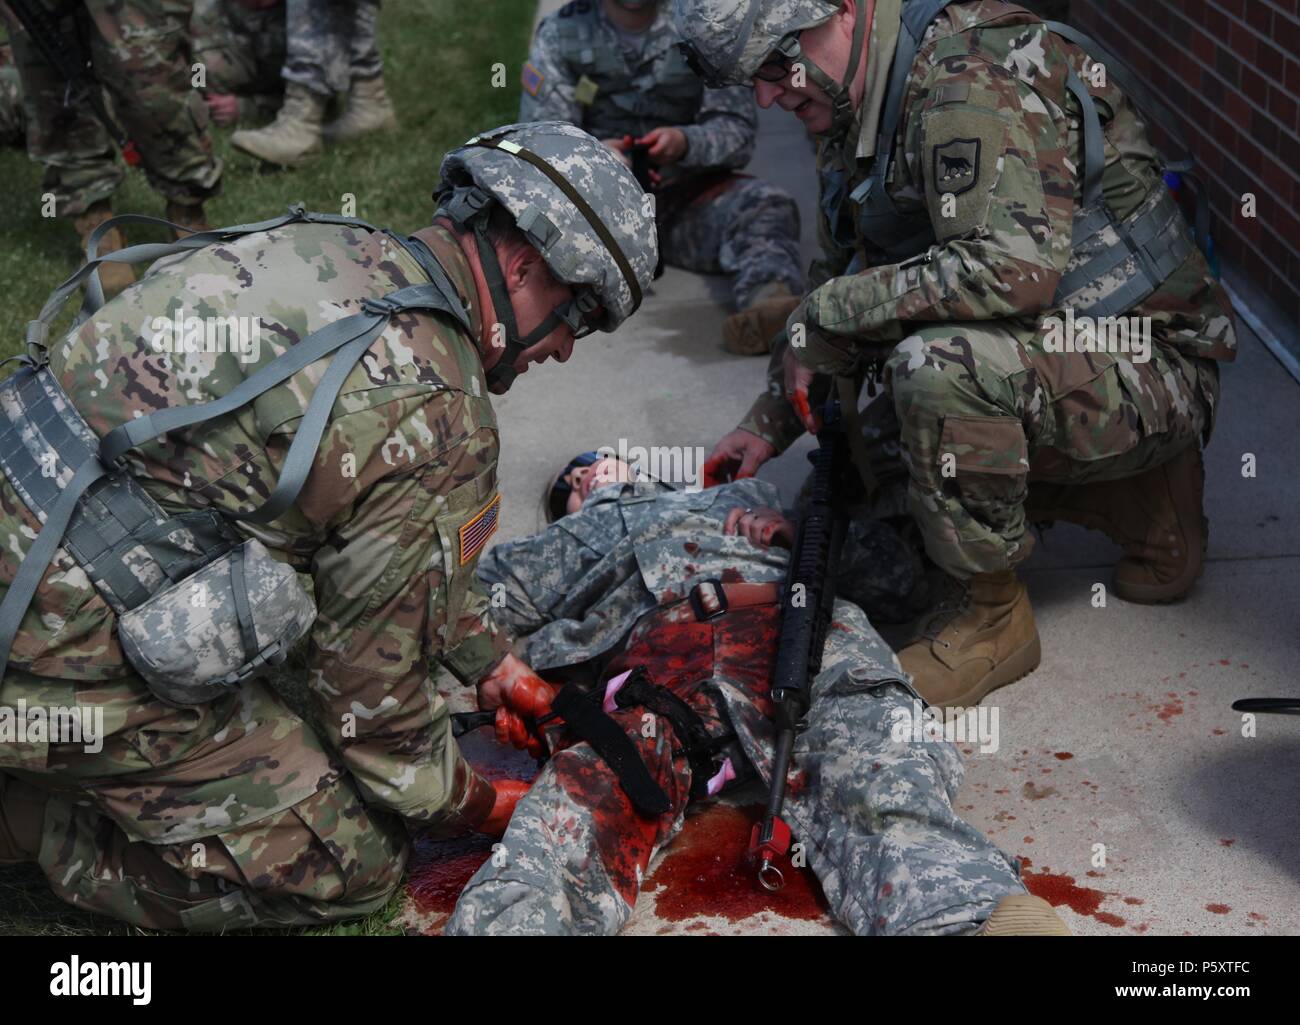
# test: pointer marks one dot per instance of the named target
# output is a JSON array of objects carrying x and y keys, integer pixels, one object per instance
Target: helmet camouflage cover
[
  {"x": 574, "y": 200},
  {"x": 731, "y": 39}
]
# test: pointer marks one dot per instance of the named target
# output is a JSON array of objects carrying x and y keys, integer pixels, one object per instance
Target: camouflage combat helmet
[
  {"x": 727, "y": 42},
  {"x": 575, "y": 202}
]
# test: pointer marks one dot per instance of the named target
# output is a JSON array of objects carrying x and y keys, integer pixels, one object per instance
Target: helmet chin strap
[
  {"x": 470, "y": 210},
  {"x": 840, "y": 93}
]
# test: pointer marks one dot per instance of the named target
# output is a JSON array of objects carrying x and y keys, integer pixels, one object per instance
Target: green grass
[
  {"x": 438, "y": 64},
  {"x": 438, "y": 58}
]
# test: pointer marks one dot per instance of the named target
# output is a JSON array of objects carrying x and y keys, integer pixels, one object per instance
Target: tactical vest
[
  {"x": 200, "y": 608},
  {"x": 625, "y": 102},
  {"x": 1154, "y": 236}
]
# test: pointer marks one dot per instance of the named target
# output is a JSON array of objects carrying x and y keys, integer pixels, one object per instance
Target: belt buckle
[{"x": 713, "y": 607}]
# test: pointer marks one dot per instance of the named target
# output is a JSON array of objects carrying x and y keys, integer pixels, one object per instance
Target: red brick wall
[{"x": 1231, "y": 70}]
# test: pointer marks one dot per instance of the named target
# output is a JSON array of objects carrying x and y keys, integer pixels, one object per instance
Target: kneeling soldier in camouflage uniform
[
  {"x": 982, "y": 184},
  {"x": 241, "y": 45},
  {"x": 232, "y": 811},
  {"x": 630, "y": 582},
  {"x": 612, "y": 67}
]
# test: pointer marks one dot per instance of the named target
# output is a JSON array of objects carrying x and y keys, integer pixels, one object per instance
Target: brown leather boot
[
  {"x": 1157, "y": 518},
  {"x": 191, "y": 217},
  {"x": 750, "y": 332},
  {"x": 980, "y": 638},
  {"x": 113, "y": 277},
  {"x": 1022, "y": 914}
]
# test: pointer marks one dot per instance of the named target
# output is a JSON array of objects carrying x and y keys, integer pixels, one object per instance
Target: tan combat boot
[
  {"x": 191, "y": 218},
  {"x": 980, "y": 638},
  {"x": 113, "y": 277},
  {"x": 369, "y": 110},
  {"x": 294, "y": 137},
  {"x": 1023, "y": 915},
  {"x": 750, "y": 332},
  {"x": 1157, "y": 518}
]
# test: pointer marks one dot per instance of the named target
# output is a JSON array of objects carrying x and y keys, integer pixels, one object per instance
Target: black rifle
[
  {"x": 808, "y": 603},
  {"x": 66, "y": 54},
  {"x": 639, "y": 154}
]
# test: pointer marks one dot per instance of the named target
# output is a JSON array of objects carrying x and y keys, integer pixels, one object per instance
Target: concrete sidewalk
[{"x": 1123, "y": 777}]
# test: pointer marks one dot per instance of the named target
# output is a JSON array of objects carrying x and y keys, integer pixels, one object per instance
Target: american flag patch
[
  {"x": 475, "y": 533},
  {"x": 531, "y": 78}
]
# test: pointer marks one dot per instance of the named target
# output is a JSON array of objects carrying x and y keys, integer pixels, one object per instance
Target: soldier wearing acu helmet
[
  {"x": 204, "y": 474},
  {"x": 986, "y": 190},
  {"x": 612, "y": 67}
]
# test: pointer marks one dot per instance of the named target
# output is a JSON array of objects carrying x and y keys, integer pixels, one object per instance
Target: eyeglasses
[{"x": 780, "y": 61}]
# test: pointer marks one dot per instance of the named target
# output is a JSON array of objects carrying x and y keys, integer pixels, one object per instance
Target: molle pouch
[{"x": 217, "y": 627}]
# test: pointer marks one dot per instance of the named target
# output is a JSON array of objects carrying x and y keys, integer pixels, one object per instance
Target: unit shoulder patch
[
  {"x": 956, "y": 166},
  {"x": 531, "y": 79}
]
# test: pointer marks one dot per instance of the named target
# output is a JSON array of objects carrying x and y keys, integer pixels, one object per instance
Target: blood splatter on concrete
[
  {"x": 1217, "y": 909},
  {"x": 704, "y": 873}
]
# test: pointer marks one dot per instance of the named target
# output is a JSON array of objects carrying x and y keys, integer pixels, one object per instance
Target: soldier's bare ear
[{"x": 522, "y": 265}]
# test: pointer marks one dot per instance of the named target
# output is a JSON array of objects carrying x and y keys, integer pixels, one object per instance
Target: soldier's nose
[{"x": 766, "y": 93}]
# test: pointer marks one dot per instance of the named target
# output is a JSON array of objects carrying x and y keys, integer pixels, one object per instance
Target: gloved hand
[
  {"x": 511, "y": 729},
  {"x": 513, "y": 684},
  {"x": 509, "y": 792}
]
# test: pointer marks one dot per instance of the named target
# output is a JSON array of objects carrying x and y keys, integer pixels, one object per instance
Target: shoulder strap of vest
[{"x": 917, "y": 17}]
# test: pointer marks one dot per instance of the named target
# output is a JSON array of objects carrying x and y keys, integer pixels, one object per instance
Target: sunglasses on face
[{"x": 780, "y": 62}]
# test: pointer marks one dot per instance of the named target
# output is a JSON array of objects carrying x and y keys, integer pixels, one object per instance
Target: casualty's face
[{"x": 586, "y": 479}]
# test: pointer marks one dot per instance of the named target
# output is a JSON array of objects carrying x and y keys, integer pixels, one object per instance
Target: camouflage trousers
[
  {"x": 874, "y": 814},
  {"x": 331, "y": 42},
  {"x": 140, "y": 54},
  {"x": 230, "y": 816},
  {"x": 984, "y": 409},
  {"x": 750, "y": 229},
  {"x": 242, "y": 48}
]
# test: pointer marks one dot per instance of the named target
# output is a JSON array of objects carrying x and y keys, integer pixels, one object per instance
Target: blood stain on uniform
[
  {"x": 691, "y": 547},
  {"x": 704, "y": 872},
  {"x": 1217, "y": 909},
  {"x": 440, "y": 869}
]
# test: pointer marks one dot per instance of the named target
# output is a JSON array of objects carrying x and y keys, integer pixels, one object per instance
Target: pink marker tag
[
  {"x": 725, "y": 775},
  {"x": 611, "y": 688}
]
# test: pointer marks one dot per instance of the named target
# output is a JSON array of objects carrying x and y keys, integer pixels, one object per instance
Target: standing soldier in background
[
  {"x": 330, "y": 51},
  {"x": 241, "y": 45},
  {"x": 138, "y": 53},
  {"x": 978, "y": 178},
  {"x": 612, "y": 66}
]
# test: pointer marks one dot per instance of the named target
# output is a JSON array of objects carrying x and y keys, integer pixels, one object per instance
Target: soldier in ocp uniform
[
  {"x": 138, "y": 50},
  {"x": 980, "y": 180},
  {"x": 232, "y": 811},
  {"x": 612, "y": 67},
  {"x": 330, "y": 51}
]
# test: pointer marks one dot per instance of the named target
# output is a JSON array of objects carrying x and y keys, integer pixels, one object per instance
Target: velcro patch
[
  {"x": 531, "y": 79},
  {"x": 474, "y": 534},
  {"x": 586, "y": 91}
]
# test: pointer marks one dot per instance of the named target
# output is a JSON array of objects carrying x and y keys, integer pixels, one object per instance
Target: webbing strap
[
  {"x": 243, "y": 611},
  {"x": 1133, "y": 88},
  {"x": 1093, "y": 141},
  {"x": 31, "y": 571},
  {"x": 352, "y": 335}
]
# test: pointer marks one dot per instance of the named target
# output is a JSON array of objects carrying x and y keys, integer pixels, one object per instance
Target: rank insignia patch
[
  {"x": 474, "y": 534},
  {"x": 956, "y": 166},
  {"x": 586, "y": 91},
  {"x": 532, "y": 79}
]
